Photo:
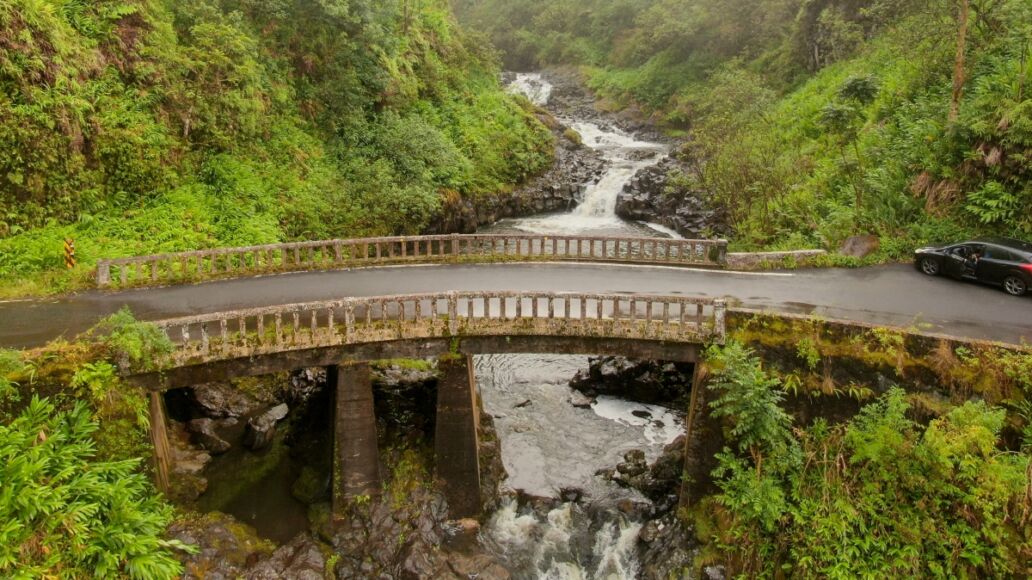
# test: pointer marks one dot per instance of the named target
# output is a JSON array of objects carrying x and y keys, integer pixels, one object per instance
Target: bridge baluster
[
  {"x": 599, "y": 304},
  {"x": 297, "y": 324},
  {"x": 583, "y": 307},
  {"x": 349, "y": 321},
  {"x": 205, "y": 341},
  {"x": 719, "y": 314},
  {"x": 698, "y": 317},
  {"x": 278, "y": 322}
]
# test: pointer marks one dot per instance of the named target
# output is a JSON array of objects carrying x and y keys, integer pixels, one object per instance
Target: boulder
[
  {"x": 218, "y": 400},
  {"x": 225, "y": 548},
  {"x": 643, "y": 381},
  {"x": 261, "y": 429},
  {"x": 860, "y": 246},
  {"x": 301, "y": 559},
  {"x": 202, "y": 432}
]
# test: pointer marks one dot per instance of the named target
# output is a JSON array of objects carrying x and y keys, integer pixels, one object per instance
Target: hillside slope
[
  {"x": 140, "y": 126},
  {"x": 812, "y": 120}
]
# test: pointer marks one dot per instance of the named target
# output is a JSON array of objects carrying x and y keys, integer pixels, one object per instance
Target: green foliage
[
  {"x": 812, "y": 121},
  {"x": 883, "y": 497},
  {"x": 67, "y": 515},
  {"x": 10, "y": 364},
  {"x": 749, "y": 397},
  {"x": 145, "y": 126},
  {"x": 134, "y": 344}
]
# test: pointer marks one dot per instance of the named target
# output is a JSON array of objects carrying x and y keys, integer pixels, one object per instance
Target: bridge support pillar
[
  {"x": 356, "y": 457},
  {"x": 703, "y": 440},
  {"x": 159, "y": 439},
  {"x": 455, "y": 441}
]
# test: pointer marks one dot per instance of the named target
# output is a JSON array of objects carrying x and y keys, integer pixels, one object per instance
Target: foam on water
[{"x": 625, "y": 156}]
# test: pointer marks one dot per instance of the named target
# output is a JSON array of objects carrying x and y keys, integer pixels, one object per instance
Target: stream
[
  {"x": 550, "y": 446},
  {"x": 624, "y": 155}
]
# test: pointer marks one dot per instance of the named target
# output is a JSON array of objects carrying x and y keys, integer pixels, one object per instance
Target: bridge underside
[{"x": 225, "y": 370}]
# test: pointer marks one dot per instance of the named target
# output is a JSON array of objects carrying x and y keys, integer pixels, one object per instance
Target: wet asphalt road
[{"x": 894, "y": 295}]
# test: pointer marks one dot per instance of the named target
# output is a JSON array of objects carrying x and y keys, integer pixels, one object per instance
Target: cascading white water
[
  {"x": 562, "y": 546},
  {"x": 625, "y": 156},
  {"x": 549, "y": 445},
  {"x": 536, "y": 89}
]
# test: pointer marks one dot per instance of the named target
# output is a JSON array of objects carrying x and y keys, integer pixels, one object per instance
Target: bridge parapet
[
  {"x": 331, "y": 254},
  {"x": 276, "y": 329}
]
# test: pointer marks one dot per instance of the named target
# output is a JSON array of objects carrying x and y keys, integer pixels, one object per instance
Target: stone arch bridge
[{"x": 344, "y": 335}]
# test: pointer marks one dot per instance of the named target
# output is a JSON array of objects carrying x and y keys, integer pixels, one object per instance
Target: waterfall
[{"x": 625, "y": 156}]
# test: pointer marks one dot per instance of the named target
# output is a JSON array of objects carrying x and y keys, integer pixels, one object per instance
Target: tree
[{"x": 958, "y": 63}]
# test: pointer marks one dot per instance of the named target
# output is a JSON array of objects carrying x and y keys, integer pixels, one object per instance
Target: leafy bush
[
  {"x": 134, "y": 344},
  {"x": 879, "y": 496},
  {"x": 65, "y": 514}
]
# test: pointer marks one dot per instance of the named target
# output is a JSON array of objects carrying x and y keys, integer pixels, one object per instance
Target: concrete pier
[
  {"x": 703, "y": 440},
  {"x": 455, "y": 440},
  {"x": 356, "y": 457},
  {"x": 159, "y": 439}
]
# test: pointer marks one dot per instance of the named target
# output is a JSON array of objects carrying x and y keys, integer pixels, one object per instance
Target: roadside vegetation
[
  {"x": 144, "y": 126},
  {"x": 76, "y": 498},
  {"x": 813, "y": 121},
  {"x": 878, "y": 496}
]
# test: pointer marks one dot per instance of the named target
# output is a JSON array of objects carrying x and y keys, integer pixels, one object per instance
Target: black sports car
[{"x": 1000, "y": 261}]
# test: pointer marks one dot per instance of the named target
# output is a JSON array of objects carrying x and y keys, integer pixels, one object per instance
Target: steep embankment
[
  {"x": 141, "y": 126},
  {"x": 812, "y": 121}
]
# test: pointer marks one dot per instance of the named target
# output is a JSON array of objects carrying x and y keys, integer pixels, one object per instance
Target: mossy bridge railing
[
  {"x": 277, "y": 329},
  {"x": 331, "y": 254}
]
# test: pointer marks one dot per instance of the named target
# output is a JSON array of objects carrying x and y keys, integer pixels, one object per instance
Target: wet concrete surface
[{"x": 892, "y": 295}]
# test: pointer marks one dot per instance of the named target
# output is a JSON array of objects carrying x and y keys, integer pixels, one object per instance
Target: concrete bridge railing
[
  {"x": 275, "y": 329},
  {"x": 329, "y": 254}
]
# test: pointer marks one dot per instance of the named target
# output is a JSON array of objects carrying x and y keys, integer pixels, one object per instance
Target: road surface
[{"x": 891, "y": 295}]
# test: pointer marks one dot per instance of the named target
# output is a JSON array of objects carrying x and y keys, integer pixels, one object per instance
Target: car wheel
[
  {"x": 1015, "y": 286},
  {"x": 930, "y": 266}
]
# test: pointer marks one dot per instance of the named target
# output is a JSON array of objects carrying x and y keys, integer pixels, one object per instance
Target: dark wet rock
[
  {"x": 652, "y": 382},
  {"x": 260, "y": 430},
  {"x": 860, "y": 246},
  {"x": 218, "y": 400},
  {"x": 303, "y": 385},
  {"x": 633, "y": 465},
  {"x": 301, "y": 559},
  {"x": 660, "y": 482},
  {"x": 203, "y": 433},
  {"x": 661, "y": 194},
  {"x": 225, "y": 547},
  {"x": 479, "y": 566},
  {"x": 667, "y": 548}
]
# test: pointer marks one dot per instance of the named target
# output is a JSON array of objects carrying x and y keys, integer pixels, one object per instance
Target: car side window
[{"x": 959, "y": 251}]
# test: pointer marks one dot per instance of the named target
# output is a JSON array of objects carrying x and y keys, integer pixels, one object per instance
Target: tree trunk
[{"x": 958, "y": 65}]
